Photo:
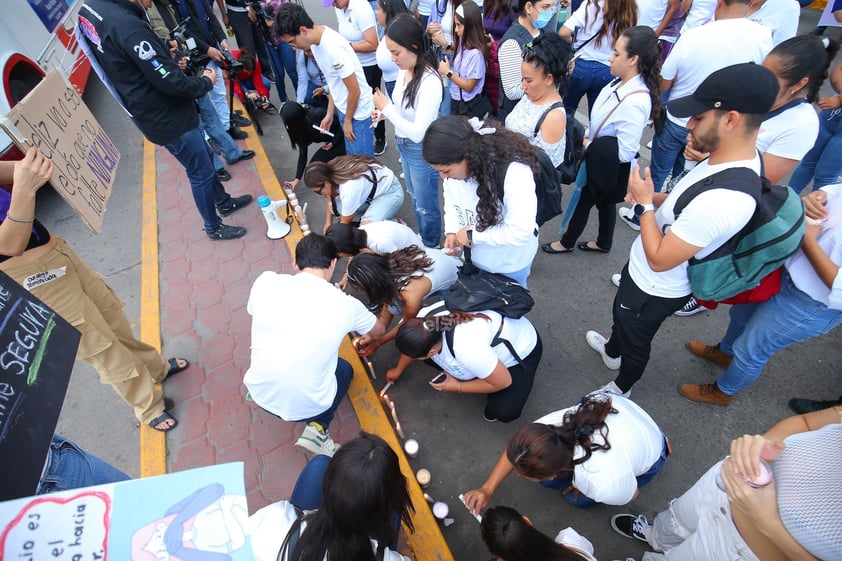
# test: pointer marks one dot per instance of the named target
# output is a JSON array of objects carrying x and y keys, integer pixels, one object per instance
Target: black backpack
[
  {"x": 574, "y": 145},
  {"x": 547, "y": 189},
  {"x": 476, "y": 291}
]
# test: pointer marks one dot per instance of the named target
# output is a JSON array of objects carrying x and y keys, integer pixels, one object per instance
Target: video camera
[
  {"x": 231, "y": 64},
  {"x": 186, "y": 48}
]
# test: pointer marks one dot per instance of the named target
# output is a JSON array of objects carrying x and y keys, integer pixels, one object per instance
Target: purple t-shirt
[
  {"x": 468, "y": 64},
  {"x": 497, "y": 27}
]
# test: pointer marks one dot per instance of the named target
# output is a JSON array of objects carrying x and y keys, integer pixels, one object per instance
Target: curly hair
[
  {"x": 542, "y": 451},
  {"x": 452, "y": 139},
  {"x": 416, "y": 336},
  {"x": 642, "y": 42},
  {"x": 382, "y": 277},
  {"x": 550, "y": 54},
  {"x": 340, "y": 170}
]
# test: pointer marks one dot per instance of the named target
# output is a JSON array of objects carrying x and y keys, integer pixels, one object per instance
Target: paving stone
[
  {"x": 218, "y": 350},
  {"x": 192, "y": 414},
  {"x": 228, "y": 423}
]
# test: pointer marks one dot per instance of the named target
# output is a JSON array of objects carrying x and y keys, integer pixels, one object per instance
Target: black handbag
[{"x": 476, "y": 291}]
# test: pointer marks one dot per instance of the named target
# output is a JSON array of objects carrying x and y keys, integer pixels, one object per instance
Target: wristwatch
[
  {"x": 449, "y": 73},
  {"x": 640, "y": 209}
]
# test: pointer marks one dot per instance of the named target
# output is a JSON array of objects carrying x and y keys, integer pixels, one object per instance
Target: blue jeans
[
  {"x": 823, "y": 163},
  {"x": 212, "y": 125},
  {"x": 422, "y": 183},
  {"x": 344, "y": 373},
  {"x": 192, "y": 152},
  {"x": 248, "y": 83},
  {"x": 219, "y": 97},
  {"x": 562, "y": 482},
  {"x": 589, "y": 77},
  {"x": 758, "y": 331},
  {"x": 70, "y": 467},
  {"x": 307, "y": 493},
  {"x": 385, "y": 205},
  {"x": 282, "y": 57},
  {"x": 667, "y": 153},
  {"x": 364, "y": 141}
]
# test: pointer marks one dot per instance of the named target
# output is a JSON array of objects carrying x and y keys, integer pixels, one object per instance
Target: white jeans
[{"x": 697, "y": 526}]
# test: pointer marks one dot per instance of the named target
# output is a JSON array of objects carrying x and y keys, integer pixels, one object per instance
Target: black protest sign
[
  {"x": 37, "y": 352},
  {"x": 54, "y": 119}
]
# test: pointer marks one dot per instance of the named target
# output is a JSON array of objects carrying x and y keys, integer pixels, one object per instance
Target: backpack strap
[
  {"x": 496, "y": 340},
  {"x": 740, "y": 179},
  {"x": 619, "y": 102},
  {"x": 540, "y": 122},
  {"x": 373, "y": 179}
]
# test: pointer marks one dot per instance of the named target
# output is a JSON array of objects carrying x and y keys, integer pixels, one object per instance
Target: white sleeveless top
[{"x": 523, "y": 119}]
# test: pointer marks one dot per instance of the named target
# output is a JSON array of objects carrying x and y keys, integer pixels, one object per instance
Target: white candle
[
  {"x": 411, "y": 447},
  {"x": 440, "y": 510},
  {"x": 423, "y": 477}
]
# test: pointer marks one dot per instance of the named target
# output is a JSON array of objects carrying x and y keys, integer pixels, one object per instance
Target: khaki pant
[{"x": 82, "y": 297}]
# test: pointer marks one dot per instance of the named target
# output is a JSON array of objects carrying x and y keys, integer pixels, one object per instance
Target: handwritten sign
[
  {"x": 37, "y": 352},
  {"x": 196, "y": 514},
  {"x": 54, "y": 119}
]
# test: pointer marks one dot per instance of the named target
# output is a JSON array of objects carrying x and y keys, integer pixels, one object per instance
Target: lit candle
[
  {"x": 440, "y": 510},
  {"x": 411, "y": 447},
  {"x": 423, "y": 477}
]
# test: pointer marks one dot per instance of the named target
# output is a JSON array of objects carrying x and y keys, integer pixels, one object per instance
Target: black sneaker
[
  {"x": 233, "y": 204},
  {"x": 380, "y": 146},
  {"x": 631, "y": 526},
  {"x": 802, "y": 406},
  {"x": 237, "y": 134},
  {"x": 244, "y": 155},
  {"x": 223, "y": 175},
  {"x": 691, "y": 308},
  {"x": 240, "y": 121},
  {"x": 224, "y": 232}
]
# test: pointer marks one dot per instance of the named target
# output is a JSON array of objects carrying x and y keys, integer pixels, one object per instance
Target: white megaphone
[{"x": 276, "y": 228}]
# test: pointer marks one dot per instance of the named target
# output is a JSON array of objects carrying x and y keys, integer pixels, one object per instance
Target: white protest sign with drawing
[{"x": 54, "y": 119}]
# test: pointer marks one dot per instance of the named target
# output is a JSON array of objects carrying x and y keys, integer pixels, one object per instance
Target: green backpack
[{"x": 773, "y": 233}]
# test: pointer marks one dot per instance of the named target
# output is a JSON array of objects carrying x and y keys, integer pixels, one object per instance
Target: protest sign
[
  {"x": 54, "y": 119},
  {"x": 195, "y": 514},
  {"x": 37, "y": 352}
]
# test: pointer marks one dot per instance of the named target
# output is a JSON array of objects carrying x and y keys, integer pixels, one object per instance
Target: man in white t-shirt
[
  {"x": 298, "y": 323},
  {"x": 350, "y": 94},
  {"x": 780, "y": 16},
  {"x": 725, "y": 114},
  {"x": 730, "y": 39}
]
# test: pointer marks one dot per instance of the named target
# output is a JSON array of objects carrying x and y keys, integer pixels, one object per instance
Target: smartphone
[{"x": 439, "y": 379}]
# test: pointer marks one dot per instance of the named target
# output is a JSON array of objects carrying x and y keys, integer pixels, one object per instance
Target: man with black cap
[{"x": 725, "y": 114}]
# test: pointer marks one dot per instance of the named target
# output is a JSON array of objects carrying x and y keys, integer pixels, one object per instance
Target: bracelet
[
  {"x": 18, "y": 220},
  {"x": 460, "y": 387}
]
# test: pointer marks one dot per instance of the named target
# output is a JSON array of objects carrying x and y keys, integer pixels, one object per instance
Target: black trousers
[
  {"x": 507, "y": 405},
  {"x": 373, "y": 76},
  {"x": 607, "y": 213},
  {"x": 637, "y": 318}
]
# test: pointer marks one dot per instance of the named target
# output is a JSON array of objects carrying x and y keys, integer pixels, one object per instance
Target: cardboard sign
[
  {"x": 832, "y": 14},
  {"x": 37, "y": 352},
  {"x": 195, "y": 514},
  {"x": 54, "y": 119}
]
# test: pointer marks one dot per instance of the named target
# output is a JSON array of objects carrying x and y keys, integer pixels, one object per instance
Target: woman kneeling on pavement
[
  {"x": 570, "y": 450},
  {"x": 345, "y": 507},
  {"x": 478, "y": 352},
  {"x": 775, "y": 498}
]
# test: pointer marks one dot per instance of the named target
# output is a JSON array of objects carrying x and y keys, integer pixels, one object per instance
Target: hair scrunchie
[
  {"x": 478, "y": 127},
  {"x": 584, "y": 430}
]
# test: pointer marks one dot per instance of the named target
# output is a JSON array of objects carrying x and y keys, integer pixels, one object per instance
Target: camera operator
[{"x": 137, "y": 68}]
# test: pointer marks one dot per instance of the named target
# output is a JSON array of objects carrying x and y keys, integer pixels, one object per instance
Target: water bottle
[{"x": 276, "y": 228}]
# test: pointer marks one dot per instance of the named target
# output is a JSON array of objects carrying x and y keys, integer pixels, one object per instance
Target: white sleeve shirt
[{"x": 413, "y": 122}]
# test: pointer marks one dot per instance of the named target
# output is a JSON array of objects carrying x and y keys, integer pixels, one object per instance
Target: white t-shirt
[
  {"x": 708, "y": 221},
  {"x": 574, "y": 540},
  {"x": 387, "y": 236},
  {"x": 352, "y": 194},
  {"x": 337, "y": 60},
  {"x": 510, "y": 245},
  {"x": 608, "y": 477},
  {"x": 413, "y": 122},
  {"x": 384, "y": 61},
  {"x": 298, "y": 323},
  {"x": 700, "y": 13},
  {"x": 704, "y": 50},
  {"x": 352, "y": 22},
  {"x": 781, "y": 17},
  {"x": 599, "y": 52},
  {"x": 472, "y": 355},
  {"x": 790, "y": 134},
  {"x": 628, "y": 119},
  {"x": 269, "y": 526},
  {"x": 651, "y": 12}
]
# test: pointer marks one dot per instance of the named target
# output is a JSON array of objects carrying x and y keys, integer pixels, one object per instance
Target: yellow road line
[
  {"x": 427, "y": 542},
  {"x": 153, "y": 444}
]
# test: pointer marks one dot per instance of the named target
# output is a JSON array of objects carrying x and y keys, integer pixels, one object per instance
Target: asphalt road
[{"x": 573, "y": 294}]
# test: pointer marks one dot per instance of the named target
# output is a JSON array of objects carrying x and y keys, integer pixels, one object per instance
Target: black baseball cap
[{"x": 746, "y": 88}]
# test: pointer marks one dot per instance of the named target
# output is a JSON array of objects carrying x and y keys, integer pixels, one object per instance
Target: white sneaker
[
  {"x": 315, "y": 442},
  {"x": 691, "y": 308},
  {"x": 615, "y": 278},
  {"x": 612, "y": 387},
  {"x": 649, "y": 144},
  {"x": 597, "y": 343},
  {"x": 628, "y": 218},
  {"x": 403, "y": 175}
]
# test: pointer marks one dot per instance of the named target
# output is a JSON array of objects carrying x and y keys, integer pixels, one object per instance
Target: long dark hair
[
  {"x": 299, "y": 122},
  {"x": 805, "y": 56},
  {"x": 508, "y": 536},
  {"x": 451, "y": 139},
  {"x": 416, "y": 336},
  {"x": 392, "y": 9},
  {"x": 642, "y": 42},
  {"x": 617, "y": 16},
  {"x": 551, "y": 55},
  {"x": 407, "y": 32},
  {"x": 348, "y": 239},
  {"x": 473, "y": 35},
  {"x": 381, "y": 277},
  {"x": 363, "y": 489},
  {"x": 542, "y": 451}
]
